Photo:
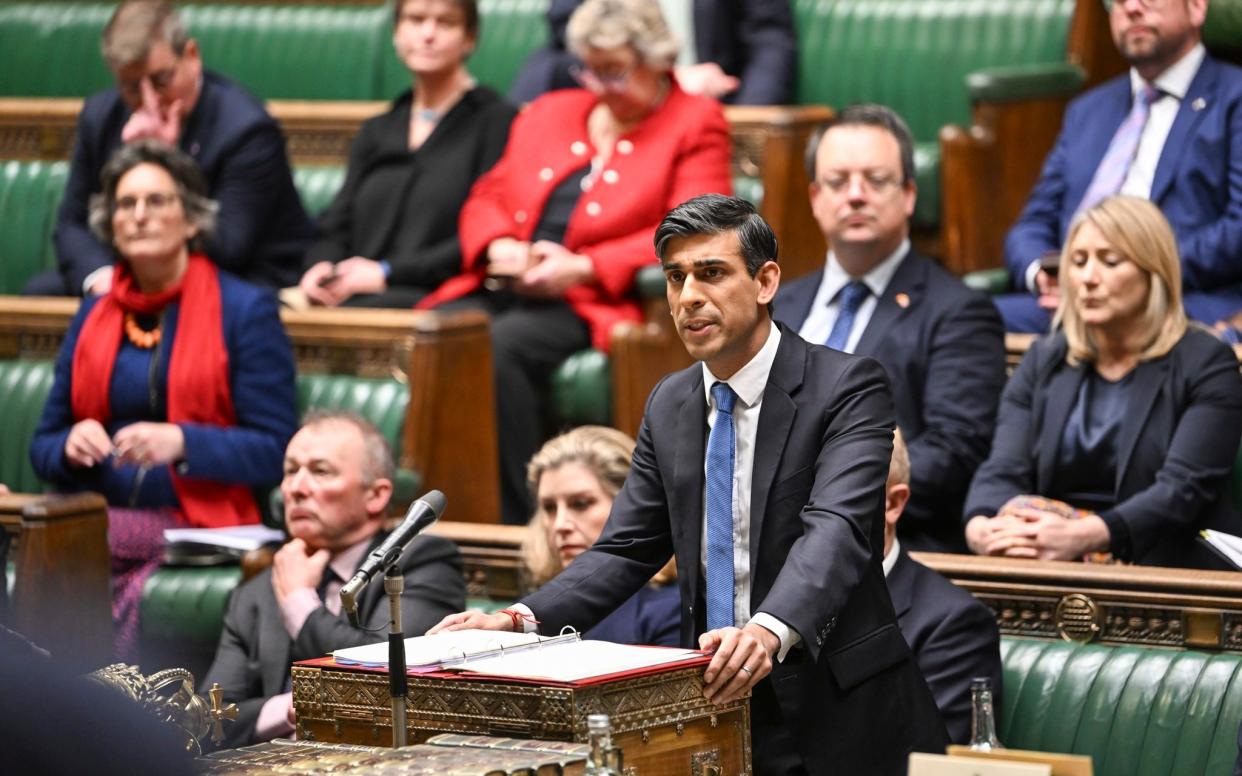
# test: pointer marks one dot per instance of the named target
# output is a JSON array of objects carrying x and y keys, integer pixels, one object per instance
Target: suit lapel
[
  {"x": 1058, "y": 403},
  {"x": 688, "y": 475},
  {"x": 907, "y": 283},
  {"x": 776, "y": 418},
  {"x": 1149, "y": 378},
  {"x": 1202, "y": 90}
]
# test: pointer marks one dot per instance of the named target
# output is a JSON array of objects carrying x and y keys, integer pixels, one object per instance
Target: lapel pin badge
[
  {"x": 903, "y": 300},
  {"x": 1198, "y": 104}
]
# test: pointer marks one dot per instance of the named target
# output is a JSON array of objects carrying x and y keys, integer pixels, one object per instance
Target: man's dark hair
[
  {"x": 712, "y": 214},
  {"x": 869, "y": 115},
  {"x": 469, "y": 8}
]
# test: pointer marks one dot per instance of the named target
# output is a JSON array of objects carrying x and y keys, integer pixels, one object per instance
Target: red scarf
[{"x": 198, "y": 375}]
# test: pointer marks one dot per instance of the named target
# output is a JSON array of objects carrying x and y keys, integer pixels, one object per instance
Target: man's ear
[
  {"x": 896, "y": 496},
  {"x": 769, "y": 279},
  {"x": 378, "y": 494}
]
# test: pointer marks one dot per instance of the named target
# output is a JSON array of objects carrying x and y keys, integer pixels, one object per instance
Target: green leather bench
[{"x": 277, "y": 51}]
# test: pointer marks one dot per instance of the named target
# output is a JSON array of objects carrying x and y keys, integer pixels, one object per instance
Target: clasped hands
[
  {"x": 1030, "y": 532},
  {"x": 742, "y": 656},
  {"x": 140, "y": 444},
  {"x": 542, "y": 269},
  {"x": 331, "y": 284}
]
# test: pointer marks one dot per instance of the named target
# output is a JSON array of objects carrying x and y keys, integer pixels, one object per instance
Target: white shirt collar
[
  {"x": 890, "y": 559},
  {"x": 1174, "y": 81},
  {"x": 835, "y": 276},
  {"x": 749, "y": 381}
]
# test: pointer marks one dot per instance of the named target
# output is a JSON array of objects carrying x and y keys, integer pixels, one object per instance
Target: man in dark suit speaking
[
  {"x": 762, "y": 469},
  {"x": 163, "y": 93},
  {"x": 338, "y": 480},
  {"x": 941, "y": 344}
]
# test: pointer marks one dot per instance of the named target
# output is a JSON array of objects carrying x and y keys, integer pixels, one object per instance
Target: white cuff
[
  {"x": 528, "y": 618},
  {"x": 789, "y": 637},
  {"x": 1032, "y": 270},
  {"x": 91, "y": 278}
]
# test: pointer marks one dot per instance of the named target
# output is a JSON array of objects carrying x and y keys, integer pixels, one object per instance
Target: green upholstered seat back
[
  {"x": 30, "y": 193},
  {"x": 277, "y": 51},
  {"x": 914, "y": 55},
  {"x": 24, "y": 386},
  {"x": 1137, "y": 711},
  {"x": 379, "y": 400},
  {"x": 317, "y": 185}
]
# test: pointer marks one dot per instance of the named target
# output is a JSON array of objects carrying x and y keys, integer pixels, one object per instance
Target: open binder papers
[
  {"x": 1225, "y": 545},
  {"x": 517, "y": 655}
]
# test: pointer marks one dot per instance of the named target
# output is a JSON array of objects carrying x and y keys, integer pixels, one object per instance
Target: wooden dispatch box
[{"x": 660, "y": 719}]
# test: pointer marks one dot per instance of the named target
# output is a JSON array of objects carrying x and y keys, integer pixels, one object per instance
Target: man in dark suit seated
[
  {"x": 761, "y": 469},
  {"x": 338, "y": 480},
  {"x": 1170, "y": 130},
  {"x": 163, "y": 93},
  {"x": 941, "y": 343},
  {"x": 953, "y": 636},
  {"x": 741, "y": 52}
]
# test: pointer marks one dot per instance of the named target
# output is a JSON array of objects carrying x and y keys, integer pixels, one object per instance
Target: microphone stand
[{"x": 394, "y": 585}]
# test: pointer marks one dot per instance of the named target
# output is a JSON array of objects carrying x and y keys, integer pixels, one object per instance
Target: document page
[
  {"x": 424, "y": 651},
  {"x": 575, "y": 661}
]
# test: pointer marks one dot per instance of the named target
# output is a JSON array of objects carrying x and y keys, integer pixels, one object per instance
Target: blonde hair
[
  {"x": 1138, "y": 231},
  {"x": 899, "y": 464},
  {"x": 607, "y": 24},
  {"x": 607, "y": 453}
]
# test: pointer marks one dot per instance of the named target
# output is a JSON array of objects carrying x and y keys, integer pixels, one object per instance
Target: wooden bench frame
[{"x": 448, "y": 434}]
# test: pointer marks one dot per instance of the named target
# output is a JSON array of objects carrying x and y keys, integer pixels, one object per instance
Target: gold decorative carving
[
  {"x": 705, "y": 763},
  {"x": 1079, "y": 618},
  {"x": 1144, "y": 625}
]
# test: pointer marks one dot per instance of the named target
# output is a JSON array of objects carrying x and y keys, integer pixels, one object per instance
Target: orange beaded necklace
[{"x": 140, "y": 336}]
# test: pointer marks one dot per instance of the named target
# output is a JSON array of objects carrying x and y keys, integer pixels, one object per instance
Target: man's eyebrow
[{"x": 707, "y": 262}]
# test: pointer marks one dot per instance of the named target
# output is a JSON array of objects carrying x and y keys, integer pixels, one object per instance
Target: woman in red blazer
[{"x": 553, "y": 235}]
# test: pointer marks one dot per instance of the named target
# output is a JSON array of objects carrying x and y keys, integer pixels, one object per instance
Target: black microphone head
[{"x": 436, "y": 500}]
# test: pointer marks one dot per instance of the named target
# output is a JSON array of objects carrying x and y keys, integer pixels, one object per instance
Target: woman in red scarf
[{"x": 174, "y": 393}]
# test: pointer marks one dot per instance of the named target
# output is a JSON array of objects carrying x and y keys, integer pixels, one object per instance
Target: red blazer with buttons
[{"x": 679, "y": 151}]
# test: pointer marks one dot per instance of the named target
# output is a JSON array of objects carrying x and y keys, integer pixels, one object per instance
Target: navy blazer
[
  {"x": 751, "y": 39},
  {"x": 253, "y": 657},
  {"x": 1175, "y": 450},
  {"x": 954, "y": 638},
  {"x": 851, "y": 695},
  {"x": 650, "y": 616},
  {"x": 944, "y": 352},
  {"x": 1198, "y": 183},
  {"x": 251, "y": 452},
  {"x": 261, "y": 231}
]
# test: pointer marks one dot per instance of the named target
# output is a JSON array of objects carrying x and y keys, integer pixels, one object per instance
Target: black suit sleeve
[
  {"x": 766, "y": 36},
  {"x": 960, "y": 647},
  {"x": 433, "y": 590},
  {"x": 335, "y": 222},
  {"x": 78, "y": 251},
  {"x": 964, "y": 380}
]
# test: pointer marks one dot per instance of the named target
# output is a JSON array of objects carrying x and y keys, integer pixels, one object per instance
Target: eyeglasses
[
  {"x": 155, "y": 203},
  {"x": 601, "y": 82},
  {"x": 1151, "y": 5},
  {"x": 160, "y": 80},
  {"x": 873, "y": 182}
]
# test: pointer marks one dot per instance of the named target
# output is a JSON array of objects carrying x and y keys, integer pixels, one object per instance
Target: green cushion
[
  {"x": 382, "y": 401},
  {"x": 187, "y": 603},
  {"x": 24, "y": 386},
  {"x": 1135, "y": 711},
  {"x": 317, "y": 185},
  {"x": 1024, "y": 82},
  {"x": 989, "y": 281},
  {"x": 582, "y": 389},
  {"x": 30, "y": 193}
]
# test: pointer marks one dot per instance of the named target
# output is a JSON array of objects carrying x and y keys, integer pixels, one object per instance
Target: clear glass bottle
[
  {"x": 982, "y": 716},
  {"x": 599, "y": 734}
]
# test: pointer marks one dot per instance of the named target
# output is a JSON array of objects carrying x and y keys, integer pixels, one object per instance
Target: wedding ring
[{"x": 748, "y": 671}]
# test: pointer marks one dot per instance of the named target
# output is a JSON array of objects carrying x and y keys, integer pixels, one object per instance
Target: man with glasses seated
[
  {"x": 1170, "y": 131},
  {"x": 940, "y": 343},
  {"x": 163, "y": 93}
]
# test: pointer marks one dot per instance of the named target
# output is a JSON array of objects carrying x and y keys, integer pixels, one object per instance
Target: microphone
[{"x": 421, "y": 515}]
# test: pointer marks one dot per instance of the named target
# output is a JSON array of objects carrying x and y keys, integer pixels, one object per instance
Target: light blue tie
[
  {"x": 851, "y": 297},
  {"x": 1115, "y": 165},
  {"x": 720, "y": 451}
]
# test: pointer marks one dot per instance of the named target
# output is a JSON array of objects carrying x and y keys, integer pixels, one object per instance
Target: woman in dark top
[
  {"x": 390, "y": 235},
  {"x": 574, "y": 478},
  {"x": 1125, "y": 424}
]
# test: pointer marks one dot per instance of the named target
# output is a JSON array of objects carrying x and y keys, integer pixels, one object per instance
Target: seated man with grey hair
[
  {"x": 163, "y": 93},
  {"x": 336, "y": 488}
]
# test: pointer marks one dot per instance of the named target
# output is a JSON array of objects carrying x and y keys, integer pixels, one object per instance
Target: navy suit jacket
[
  {"x": 944, "y": 352},
  {"x": 750, "y": 39},
  {"x": 261, "y": 231},
  {"x": 850, "y": 694},
  {"x": 251, "y": 452},
  {"x": 253, "y": 657},
  {"x": 1198, "y": 183},
  {"x": 1175, "y": 450},
  {"x": 953, "y": 636}
]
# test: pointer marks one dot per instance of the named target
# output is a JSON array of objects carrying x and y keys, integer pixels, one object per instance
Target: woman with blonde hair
[
  {"x": 1118, "y": 433},
  {"x": 575, "y": 478}
]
